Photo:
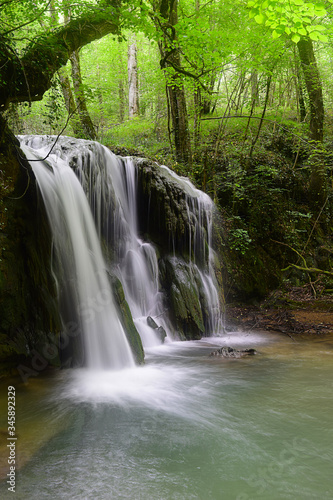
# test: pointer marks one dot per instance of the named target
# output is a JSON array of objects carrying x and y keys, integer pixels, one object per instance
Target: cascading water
[
  {"x": 83, "y": 284},
  {"x": 111, "y": 186},
  {"x": 200, "y": 222}
]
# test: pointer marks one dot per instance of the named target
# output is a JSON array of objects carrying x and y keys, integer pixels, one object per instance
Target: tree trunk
[
  {"x": 133, "y": 85},
  {"x": 197, "y": 115},
  {"x": 317, "y": 185},
  {"x": 301, "y": 102},
  {"x": 86, "y": 123},
  {"x": 314, "y": 88},
  {"x": 254, "y": 89},
  {"x": 69, "y": 101},
  {"x": 121, "y": 94},
  {"x": 170, "y": 55}
]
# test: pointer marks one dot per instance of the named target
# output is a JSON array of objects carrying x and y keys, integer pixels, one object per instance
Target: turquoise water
[{"x": 185, "y": 426}]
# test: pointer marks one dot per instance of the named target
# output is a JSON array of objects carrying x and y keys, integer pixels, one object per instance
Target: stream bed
[{"x": 184, "y": 426}]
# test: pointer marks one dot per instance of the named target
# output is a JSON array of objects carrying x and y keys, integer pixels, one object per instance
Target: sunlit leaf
[
  {"x": 259, "y": 18},
  {"x": 295, "y": 38}
]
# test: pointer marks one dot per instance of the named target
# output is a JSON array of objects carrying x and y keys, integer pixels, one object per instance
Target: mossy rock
[
  {"x": 184, "y": 296},
  {"x": 126, "y": 319}
]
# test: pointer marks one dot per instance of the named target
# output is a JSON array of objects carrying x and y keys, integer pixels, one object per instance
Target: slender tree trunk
[
  {"x": 121, "y": 95},
  {"x": 121, "y": 85},
  {"x": 301, "y": 102},
  {"x": 86, "y": 122},
  {"x": 254, "y": 89},
  {"x": 197, "y": 115},
  {"x": 133, "y": 83},
  {"x": 197, "y": 100},
  {"x": 268, "y": 86}
]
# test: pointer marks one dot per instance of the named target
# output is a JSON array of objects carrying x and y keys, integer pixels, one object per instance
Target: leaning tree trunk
[
  {"x": 133, "y": 83},
  {"x": 314, "y": 88},
  {"x": 89, "y": 131}
]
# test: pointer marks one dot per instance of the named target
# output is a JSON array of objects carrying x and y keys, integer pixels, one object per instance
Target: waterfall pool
[{"x": 184, "y": 426}]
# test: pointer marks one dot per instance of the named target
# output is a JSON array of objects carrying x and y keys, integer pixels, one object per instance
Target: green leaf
[
  {"x": 281, "y": 28},
  {"x": 295, "y": 38},
  {"x": 319, "y": 27},
  {"x": 319, "y": 9},
  {"x": 275, "y": 35},
  {"x": 253, "y": 12},
  {"x": 259, "y": 18},
  {"x": 314, "y": 35}
]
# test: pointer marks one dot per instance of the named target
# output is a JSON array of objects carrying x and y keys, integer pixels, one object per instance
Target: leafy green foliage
[
  {"x": 239, "y": 240},
  {"x": 292, "y": 18}
]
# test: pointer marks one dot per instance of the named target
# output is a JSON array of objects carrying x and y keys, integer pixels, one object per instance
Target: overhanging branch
[{"x": 48, "y": 53}]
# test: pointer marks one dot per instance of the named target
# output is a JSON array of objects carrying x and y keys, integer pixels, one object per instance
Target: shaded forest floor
[{"x": 294, "y": 312}]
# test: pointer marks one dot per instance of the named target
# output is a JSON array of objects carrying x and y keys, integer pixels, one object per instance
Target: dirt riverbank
[{"x": 294, "y": 312}]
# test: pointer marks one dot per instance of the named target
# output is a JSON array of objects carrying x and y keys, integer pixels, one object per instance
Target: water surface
[{"x": 184, "y": 426}]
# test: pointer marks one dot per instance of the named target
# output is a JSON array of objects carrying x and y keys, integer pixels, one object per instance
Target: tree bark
[
  {"x": 69, "y": 100},
  {"x": 197, "y": 115},
  {"x": 314, "y": 88},
  {"x": 170, "y": 61},
  {"x": 87, "y": 125},
  {"x": 133, "y": 83},
  {"x": 317, "y": 185}
]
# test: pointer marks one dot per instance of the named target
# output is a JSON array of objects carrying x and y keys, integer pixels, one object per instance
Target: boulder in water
[
  {"x": 152, "y": 323},
  {"x": 158, "y": 329},
  {"x": 230, "y": 352},
  {"x": 161, "y": 333}
]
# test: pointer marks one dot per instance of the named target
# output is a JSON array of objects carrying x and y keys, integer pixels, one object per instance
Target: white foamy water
[{"x": 81, "y": 270}]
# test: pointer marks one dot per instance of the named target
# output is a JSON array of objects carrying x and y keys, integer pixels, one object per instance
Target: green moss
[
  {"x": 127, "y": 320},
  {"x": 184, "y": 295}
]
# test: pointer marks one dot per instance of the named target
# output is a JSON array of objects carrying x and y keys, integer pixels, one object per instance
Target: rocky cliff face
[
  {"x": 29, "y": 318},
  {"x": 166, "y": 219}
]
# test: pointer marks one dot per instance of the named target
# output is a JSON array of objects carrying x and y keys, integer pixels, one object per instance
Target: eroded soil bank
[{"x": 295, "y": 312}]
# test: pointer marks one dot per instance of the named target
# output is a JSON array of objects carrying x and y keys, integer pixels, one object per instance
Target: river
[{"x": 184, "y": 426}]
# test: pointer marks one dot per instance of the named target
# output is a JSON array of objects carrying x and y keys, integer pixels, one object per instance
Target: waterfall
[
  {"x": 81, "y": 271},
  {"x": 110, "y": 184},
  {"x": 200, "y": 248}
]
